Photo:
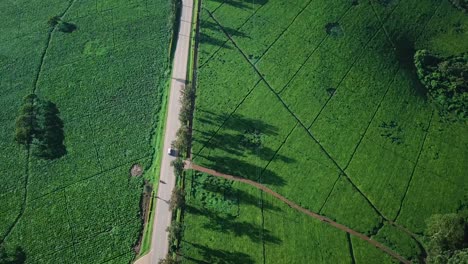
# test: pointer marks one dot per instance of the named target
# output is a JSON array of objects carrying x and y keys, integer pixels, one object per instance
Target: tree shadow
[
  {"x": 16, "y": 257},
  {"x": 228, "y": 224},
  {"x": 50, "y": 144},
  {"x": 231, "y": 31},
  {"x": 245, "y": 170},
  {"x": 405, "y": 50},
  {"x": 67, "y": 27},
  {"x": 242, "y": 4},
  {"x": 243, "y": 196},
  {"x": 211, "y": 255}
]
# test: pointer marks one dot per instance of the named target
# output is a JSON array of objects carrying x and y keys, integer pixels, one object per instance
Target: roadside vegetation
[
  {"x": 74, "y": 152},
  {"x": 321, "y": 101}
]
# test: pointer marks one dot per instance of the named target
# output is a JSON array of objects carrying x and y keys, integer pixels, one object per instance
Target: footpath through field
[
  {"x": 190, "y": 165},
  {"x": 159, "y": 240}
]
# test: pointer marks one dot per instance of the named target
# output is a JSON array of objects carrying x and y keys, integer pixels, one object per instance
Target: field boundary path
[
  {"x": 163, "y": 216},
  {"x": 190, "y": 165}
]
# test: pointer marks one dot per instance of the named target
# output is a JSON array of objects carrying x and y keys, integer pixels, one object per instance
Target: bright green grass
[
  {"x": 233, "y": 223},
  {"x": 363, "y": 253},
  {"x": 328, "y": 104},
  {"x": 106, "y": 78}
]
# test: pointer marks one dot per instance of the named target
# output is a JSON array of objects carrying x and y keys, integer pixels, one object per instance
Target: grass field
[
  {"x": 107, "y": 79},
  {"x": 319, "y": 100}
]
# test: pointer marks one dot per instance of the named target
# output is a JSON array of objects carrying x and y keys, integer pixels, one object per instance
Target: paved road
[
  {"x": 190, "y": 165},
  {"x": 159, "y": 241}
]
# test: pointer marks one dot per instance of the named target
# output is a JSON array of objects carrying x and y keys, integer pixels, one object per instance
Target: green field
[
  {"x": 320, "y": 101},
  {"x": 107, "y": 78}
]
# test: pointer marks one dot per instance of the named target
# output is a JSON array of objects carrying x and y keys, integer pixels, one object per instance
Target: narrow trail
[{"x": 190, "y": 165}]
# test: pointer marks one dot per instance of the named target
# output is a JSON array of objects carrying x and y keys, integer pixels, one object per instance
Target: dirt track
[{"x": 190, "y": 165}]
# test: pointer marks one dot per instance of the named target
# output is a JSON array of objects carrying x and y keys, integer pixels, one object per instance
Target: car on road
[{"x": 171, "y": 152}]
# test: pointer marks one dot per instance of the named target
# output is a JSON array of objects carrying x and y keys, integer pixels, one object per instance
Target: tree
[
  {"x": 446, "y": 232},
  {"x": 178, "y": 165},
  {"x": 183, "y": 139},
  {"x": 175, "y": 230},
  {"x": 177, "y": 198}
]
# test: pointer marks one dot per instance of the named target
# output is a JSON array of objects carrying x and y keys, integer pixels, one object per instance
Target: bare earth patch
[{"x": 136, "y": 170}]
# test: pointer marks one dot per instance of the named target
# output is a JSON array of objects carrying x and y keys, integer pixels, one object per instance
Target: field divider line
[
  {"x": 28, "y": 155},
  {"x": 227, "y": 40},
  {"x": 286, "y": 29},
  {"x": 329, "y": 193},
  {"x": 25, "y": 197},
  {"x": 305, "y": 128},
  {"x": 70, "y": 224},
  {"x": 311, "y": 54},
  {"x": 46, "y": 48},
  {"x": 227, "y": 118},
  {"x": 87, "y": 178},
  {"x": 351, "y": 67},
  {"x": 351, "y": 249},
  {"x": 358, "y": 57},
  {"x": 192, "y": 166},
  {"x": 415, "y": 165},
  {"x": 382, "y": 24},
  {"x": 389, "y": 85},
  {"x": 278, "y": 150},
  {"x": 95, "y": 145}
]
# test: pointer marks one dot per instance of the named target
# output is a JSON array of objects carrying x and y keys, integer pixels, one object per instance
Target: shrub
[{"x": 177, "y": 199}]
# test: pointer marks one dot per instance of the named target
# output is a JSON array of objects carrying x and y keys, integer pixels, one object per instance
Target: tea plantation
[
  {"x": 320, "y": 101},
  {"x": 103, "y": 65}
]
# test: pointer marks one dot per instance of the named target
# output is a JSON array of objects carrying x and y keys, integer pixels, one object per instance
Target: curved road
[
  {"x": 159, "y": 240},
  {"x": 190, "y": 165}
]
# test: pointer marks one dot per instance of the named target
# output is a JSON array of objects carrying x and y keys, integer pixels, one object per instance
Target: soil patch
[{"x": 136, "y": 170}]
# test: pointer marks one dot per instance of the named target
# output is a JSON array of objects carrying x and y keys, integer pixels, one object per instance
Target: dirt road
[
  {"x": 159, "y": 240},
  {"x": 190, "y": 165}
]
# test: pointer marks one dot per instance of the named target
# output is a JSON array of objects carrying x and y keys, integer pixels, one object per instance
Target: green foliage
[
  {"x": 39, "y": 124},
  {"x": 356, "y": 103},
  {"x": 175, "y": 231},
  {"x": 84, "y": 206},
  {"x": 461, "y": 4},
  {"x": 16, "y": 257},
  {"x": 446, "y": 232},
  {"x": 446, "y": 80},
  {"x": 178, "y": 165},
  {"x": 177, "y": 199}
]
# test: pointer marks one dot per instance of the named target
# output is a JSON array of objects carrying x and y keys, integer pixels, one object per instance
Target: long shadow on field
[
  {"x": 211, "y": 255},
  {"x": 228, "y": 224},
  {"x": 405, "y": 50},
  {"x": 243, "y": 196},
  {"x": 243, "y": 169},
  {"x": 231, "y": 31},
  {"x": 207, "y": 39},
  {"x": 242, "y": 4},
  {"x": 239, "y": 146}
]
